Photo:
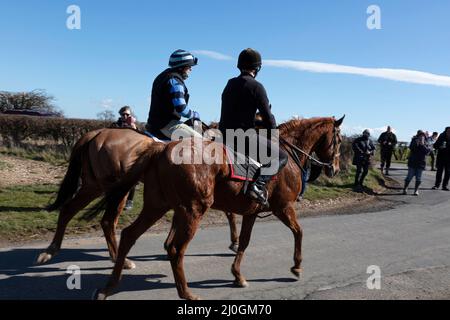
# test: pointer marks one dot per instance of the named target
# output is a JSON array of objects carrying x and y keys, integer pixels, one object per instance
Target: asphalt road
[{"x": 409, "y": 243}]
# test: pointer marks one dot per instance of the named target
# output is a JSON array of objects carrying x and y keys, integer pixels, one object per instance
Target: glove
[{"x": 195, "y": 115}]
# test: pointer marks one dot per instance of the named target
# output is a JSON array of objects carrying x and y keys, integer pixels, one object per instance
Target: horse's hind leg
[
  {"x": 233, "y": 231},
  {"x": 146, "y": 219},
  {"x": 244, "y": 239},
  {"x": 289, "y": 218},
  {"x": 186, "y": 226},
  {"x": 68, "y": 211},
  {"x": 169, "y": 239},
  {"x": 109, "y": 224}
]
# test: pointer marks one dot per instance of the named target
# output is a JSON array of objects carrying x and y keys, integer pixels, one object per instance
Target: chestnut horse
[
  {"x": 98, "y": 160},
  {"x": 191, "y": 189}
]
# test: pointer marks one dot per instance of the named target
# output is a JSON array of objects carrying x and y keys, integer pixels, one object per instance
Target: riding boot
[
  {"x": 257, "y": 191},
  {"x": 416, "y": 188}
]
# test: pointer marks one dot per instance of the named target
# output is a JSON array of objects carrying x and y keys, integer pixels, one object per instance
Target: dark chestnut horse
[
  {"x": 190, "y": 189},
  {"x": 98, "y": 160}
]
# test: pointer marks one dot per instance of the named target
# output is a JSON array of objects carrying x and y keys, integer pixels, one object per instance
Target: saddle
[{"x": 242, "y": 167}]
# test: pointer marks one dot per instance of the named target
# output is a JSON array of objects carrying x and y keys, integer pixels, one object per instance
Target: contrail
[{"x": 403, "y": 75}]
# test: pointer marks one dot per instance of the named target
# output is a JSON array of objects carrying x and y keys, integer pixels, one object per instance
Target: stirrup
[{"x": 261, "y": 198}]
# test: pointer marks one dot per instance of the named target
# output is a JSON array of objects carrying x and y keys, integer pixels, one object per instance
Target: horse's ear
[{"x": 337, "y": 123}]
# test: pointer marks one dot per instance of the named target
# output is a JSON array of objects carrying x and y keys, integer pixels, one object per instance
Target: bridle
[{"x": 294, "y": 149}]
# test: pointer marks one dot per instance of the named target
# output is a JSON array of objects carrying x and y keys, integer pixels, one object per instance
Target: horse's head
[{"x": 328, "y": 149}]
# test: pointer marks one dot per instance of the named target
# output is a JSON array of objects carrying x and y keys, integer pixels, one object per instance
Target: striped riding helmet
[{"x": 181, "y": 58}]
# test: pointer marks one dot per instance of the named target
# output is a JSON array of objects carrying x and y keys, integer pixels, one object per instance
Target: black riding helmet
[{"x": 249, "y": 59}]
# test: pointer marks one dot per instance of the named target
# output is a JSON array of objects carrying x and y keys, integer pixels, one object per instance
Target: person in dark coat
[
  {"x": 170, "y": 99},
  {"x": 419, "y": 150},
  {"x": 387, "y": 141},
  {"x": 442, "y": 146},
  {"x": 126, "y": 119},
  {"x": 363, "y": 150},
  {"x": 242, "y": 97}
]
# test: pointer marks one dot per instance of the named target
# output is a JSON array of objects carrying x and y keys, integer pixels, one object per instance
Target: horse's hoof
[
  {"x": 297, "y": 272},
  {"x": 190, "y": 296},
  {"x": 234, "y": 247},
  {"x": 44, "y": 257},
  {"x": 98, "y": 295},
  {"x": 241, "y": 284},
  {"x": 128, "y": 265}
]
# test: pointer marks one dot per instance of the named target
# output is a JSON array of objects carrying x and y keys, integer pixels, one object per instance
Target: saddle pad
[
  {"x": 240, "y": 168},
  {"x": 148, "y": 134}
]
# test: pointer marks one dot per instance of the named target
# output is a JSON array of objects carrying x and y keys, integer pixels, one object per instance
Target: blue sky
[{"x": 123, "y": 46}]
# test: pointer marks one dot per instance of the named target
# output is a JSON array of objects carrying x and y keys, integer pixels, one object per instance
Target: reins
[{"x": 295, "y": 157}]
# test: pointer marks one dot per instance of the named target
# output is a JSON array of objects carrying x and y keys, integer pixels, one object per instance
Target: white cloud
[
  {"x": 403, "y": 75},
  {"x": 212, "y": 54}
]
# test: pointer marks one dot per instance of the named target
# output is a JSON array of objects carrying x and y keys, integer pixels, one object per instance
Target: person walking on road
[
  {"x": 387, "y": 141},
  {"x": 363, "y": 150},
  {"x": 416, "y": 161},
  {"x": 442, "y": 146}
]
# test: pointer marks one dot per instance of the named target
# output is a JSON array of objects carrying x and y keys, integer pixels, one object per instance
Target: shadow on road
[
  {"x": 49, "y": 281},
  {"x": 20, "y": 261}
]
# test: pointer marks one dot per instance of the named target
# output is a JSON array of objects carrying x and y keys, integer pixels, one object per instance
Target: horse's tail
[
  {"x": 70, "y": 183},
  {"x": 119, "y": 190}
]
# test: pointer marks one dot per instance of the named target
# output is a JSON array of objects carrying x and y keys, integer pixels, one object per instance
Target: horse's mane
[{"x": 293, "y": 127}]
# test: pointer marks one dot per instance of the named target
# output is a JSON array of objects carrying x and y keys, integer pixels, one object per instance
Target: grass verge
[{"x": 23, "y": 217}]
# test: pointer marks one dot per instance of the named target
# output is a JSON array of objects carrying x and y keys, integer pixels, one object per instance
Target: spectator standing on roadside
[
  {"x": 416, "y": 161},
  {"x": 431, "y": 141},
  {"x": 363, "y": 150},
  {"x": 126, "y": 120},
  {"x": 442, "y": 146},
  {"x": 387, "y": 141}
]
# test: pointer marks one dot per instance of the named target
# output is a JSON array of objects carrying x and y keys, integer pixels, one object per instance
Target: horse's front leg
[
  {"x": 288, "y": 216},
  {"x": 244, "y": 239},
  {"x": 185, "y": 225}
]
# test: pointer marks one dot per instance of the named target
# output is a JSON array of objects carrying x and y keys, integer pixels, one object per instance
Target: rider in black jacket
[{"x": 242, "y": 97}]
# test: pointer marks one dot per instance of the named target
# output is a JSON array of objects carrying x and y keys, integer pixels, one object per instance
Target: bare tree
[
  {"x": 36, "y": 100},
  {"x": 106, "y": 115}
]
